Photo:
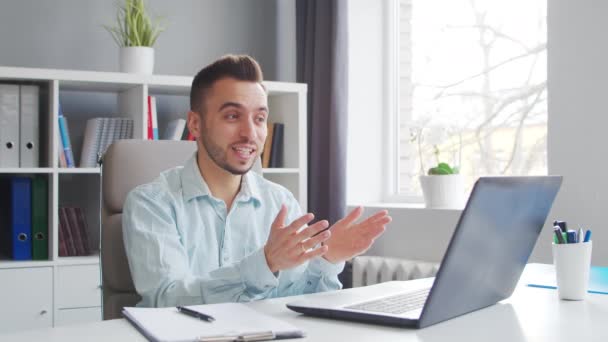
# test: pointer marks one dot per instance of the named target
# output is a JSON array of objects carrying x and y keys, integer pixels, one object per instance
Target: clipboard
[{"x": 233, "y": 322}]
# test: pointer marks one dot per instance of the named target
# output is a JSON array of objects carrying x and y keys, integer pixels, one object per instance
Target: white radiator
[{"x": 369, "y": 270}]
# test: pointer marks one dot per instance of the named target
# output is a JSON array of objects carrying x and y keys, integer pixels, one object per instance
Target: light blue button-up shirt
[{"x": 185, "y": 248}]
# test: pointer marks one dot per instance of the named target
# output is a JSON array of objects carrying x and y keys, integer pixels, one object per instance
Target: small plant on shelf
[{"x": 134, "y": 26}]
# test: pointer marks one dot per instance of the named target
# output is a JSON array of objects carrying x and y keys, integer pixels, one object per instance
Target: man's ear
[{"x": 194, "y": 123}]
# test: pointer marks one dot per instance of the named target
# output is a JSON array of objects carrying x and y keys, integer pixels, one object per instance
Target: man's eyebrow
[
  {"x": 231, "y": 104},
  {"x": 240, "y": 106}
]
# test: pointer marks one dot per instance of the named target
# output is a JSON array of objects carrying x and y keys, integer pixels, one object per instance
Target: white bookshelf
[{"x": 72, "y": 284}]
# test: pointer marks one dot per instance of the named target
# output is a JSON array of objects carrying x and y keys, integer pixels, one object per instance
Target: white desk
[{"x": 531, "y": 314}]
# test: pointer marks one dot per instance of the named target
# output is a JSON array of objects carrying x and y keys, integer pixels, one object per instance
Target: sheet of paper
[{"x": 231, "y": 319}]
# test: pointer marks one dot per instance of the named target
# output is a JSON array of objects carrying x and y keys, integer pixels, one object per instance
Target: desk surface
[{"x": 531, "y": 314}]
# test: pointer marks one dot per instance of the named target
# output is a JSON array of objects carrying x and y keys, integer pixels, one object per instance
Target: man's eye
[
  {"x": 231, "y": 116},
  {"x": 261, "y": 119}
]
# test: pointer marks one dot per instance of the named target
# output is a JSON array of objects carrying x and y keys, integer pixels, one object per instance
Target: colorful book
[
  {"x": 64, "y": 134},
  {"x": 150, "y": 135},
  {"x": 40, "y": 241},
  {"x": 67, "y": 232},
  {"x": 154, "y": 119}
]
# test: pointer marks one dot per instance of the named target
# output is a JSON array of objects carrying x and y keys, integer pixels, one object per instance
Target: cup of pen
[{"x": 572, "y": 263}]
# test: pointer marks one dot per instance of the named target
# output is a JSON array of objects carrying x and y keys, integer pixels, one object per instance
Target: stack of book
[
  {"x": 24, "y": 217},
  {"x": 272, "y": 155},
  {"x": 73, "y": 236},
  {"x": 101, "y": 133}
]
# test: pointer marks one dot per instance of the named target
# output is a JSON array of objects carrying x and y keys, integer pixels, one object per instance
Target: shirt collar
[{"x": 194, "y": 185}]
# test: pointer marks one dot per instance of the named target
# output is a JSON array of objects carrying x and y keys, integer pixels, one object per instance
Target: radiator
[{"x": 369, "y": 270}]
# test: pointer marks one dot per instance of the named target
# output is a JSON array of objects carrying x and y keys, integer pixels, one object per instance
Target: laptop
[{"x": 487, "y": 253}]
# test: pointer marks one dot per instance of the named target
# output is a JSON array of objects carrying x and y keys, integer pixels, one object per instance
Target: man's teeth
[{"x": 243, "y": 149}]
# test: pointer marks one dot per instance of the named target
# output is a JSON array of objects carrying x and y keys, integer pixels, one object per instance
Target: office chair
[{"x": 127, "y": 164}]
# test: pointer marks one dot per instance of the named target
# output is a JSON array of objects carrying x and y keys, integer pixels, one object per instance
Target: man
[{"x": 211, "y": 231}]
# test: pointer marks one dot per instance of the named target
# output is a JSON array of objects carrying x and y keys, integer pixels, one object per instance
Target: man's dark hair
[{"x": 240, "y": 67}]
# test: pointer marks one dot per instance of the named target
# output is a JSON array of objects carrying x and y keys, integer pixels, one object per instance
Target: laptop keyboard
[{"x": 396, "y": 304}]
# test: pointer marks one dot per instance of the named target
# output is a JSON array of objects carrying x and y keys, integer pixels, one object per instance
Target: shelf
[
  {"x": 41, "y": 170},
  {"x": 280, "y": 170},
  {"x": 79, "y": 170},
  {"x": 5, "y": 263},
  {"x": 78, "y": 260}
]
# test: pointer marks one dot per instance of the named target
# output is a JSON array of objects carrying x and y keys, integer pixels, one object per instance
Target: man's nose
[{"x": 248, "y": 129}]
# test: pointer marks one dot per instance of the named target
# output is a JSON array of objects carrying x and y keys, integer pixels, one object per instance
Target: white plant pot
[
  {"x": 443, "y": 191},
  {"x": 137, "y": 60}
]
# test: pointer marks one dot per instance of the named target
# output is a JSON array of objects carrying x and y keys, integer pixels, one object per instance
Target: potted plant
[
  {"x": 135, "y": 33},
  {"x": 442, "y": 185}
]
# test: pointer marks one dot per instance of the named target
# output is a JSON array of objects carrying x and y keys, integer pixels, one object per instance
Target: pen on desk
[
  {"x": 558, "y": 234},
  {"x": 587, "y": 235},
  {"x": 195, "y": 314}
]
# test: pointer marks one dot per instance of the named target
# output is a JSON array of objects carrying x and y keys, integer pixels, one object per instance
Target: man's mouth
[{"x": 244, "y": 151}]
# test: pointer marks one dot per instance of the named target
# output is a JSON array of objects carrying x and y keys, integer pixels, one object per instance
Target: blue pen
[
  {"x": 588, "y": 235},
  {"x": 571, "y": 236}
]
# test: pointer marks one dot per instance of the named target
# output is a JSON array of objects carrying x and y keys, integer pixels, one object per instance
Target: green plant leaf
[{"x": 134, "y": 27}]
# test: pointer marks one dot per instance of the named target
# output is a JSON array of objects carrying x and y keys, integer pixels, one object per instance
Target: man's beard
[{"x": 218, "y": 155}]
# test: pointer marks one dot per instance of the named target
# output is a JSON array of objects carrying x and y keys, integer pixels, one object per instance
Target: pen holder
[{"x": 572, "y": 263}]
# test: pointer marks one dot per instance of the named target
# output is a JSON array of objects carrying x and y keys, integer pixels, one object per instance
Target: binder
[
  {"x": 16, "y": 217},
  {"x": 267, "y": 146},
  {"x": 40, "y": 242},
  {"x": 29, "y": 105},
  {"x": 9, "y": 125}
]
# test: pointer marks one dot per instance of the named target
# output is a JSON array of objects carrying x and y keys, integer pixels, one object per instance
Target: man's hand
[
  {"x": 349, "y": 239},
  {"x": 290, "y": 246}
]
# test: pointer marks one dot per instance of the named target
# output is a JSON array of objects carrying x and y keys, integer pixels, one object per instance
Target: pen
[
  {"x": 558, "y": 234},
  {"x": 587, "y": 235},
  {"x": 571, "y": 236},
  {"x": 195, "y": 314},
  {"x": 580, "y": 237},
  {"x": 562, "y": 225}
]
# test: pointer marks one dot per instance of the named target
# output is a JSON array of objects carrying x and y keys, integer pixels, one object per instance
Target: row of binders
[
  {"x": 272, "y": 155},
  {"x": 24, "y": 217},
  {"x": 73, "y": 236},
  {"x": 19, "y": 125}
]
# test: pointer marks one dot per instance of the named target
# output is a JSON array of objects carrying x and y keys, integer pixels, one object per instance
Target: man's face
[{"x": 233, "y": 127}]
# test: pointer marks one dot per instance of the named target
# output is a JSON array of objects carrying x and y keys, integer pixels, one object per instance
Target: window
[{"x": 472, "y": 89}]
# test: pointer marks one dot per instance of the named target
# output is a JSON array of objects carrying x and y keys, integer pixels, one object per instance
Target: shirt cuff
[
  {"x": 319, "y": 266},
  {"x": 256, "y": 274}
]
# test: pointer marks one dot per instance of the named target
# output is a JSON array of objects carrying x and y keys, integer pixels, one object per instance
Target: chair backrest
[{"x": 127, "y": 164}]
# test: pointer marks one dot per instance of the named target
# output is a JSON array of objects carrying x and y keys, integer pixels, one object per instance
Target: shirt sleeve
[
  {"x": 159, "y": 262},
  {"x": 317, "y": 275}
]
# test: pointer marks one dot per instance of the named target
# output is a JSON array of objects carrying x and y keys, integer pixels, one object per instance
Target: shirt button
[{"x": 309, "y": 283}]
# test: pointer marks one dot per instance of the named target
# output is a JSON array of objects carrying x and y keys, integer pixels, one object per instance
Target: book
[
  {"x": 233, "y": 322},
  {"x": 174, "y": 130},
  {"x": 64, "y": 134},
  {"x": 150, "y": 135},
  {"x": 154, "y": 119},
  {"x": 40, "y": 228},
  {"x": 267, "y": 146},
  {"x": 67, "y": 232},
  {"x": 100, "y": 133},
  {"x": 543, "y": 276},
  {"x": 276, "y": 151},
  {"x": 75, "y": 231}
]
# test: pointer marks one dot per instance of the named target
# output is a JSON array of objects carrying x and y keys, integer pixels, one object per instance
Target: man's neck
[{"x": 222, "y": 184}]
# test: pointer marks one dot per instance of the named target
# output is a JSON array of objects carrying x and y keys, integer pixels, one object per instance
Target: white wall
[
  {"x": 68, "y": 34},
  {"x": 578, "y": 130}
]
